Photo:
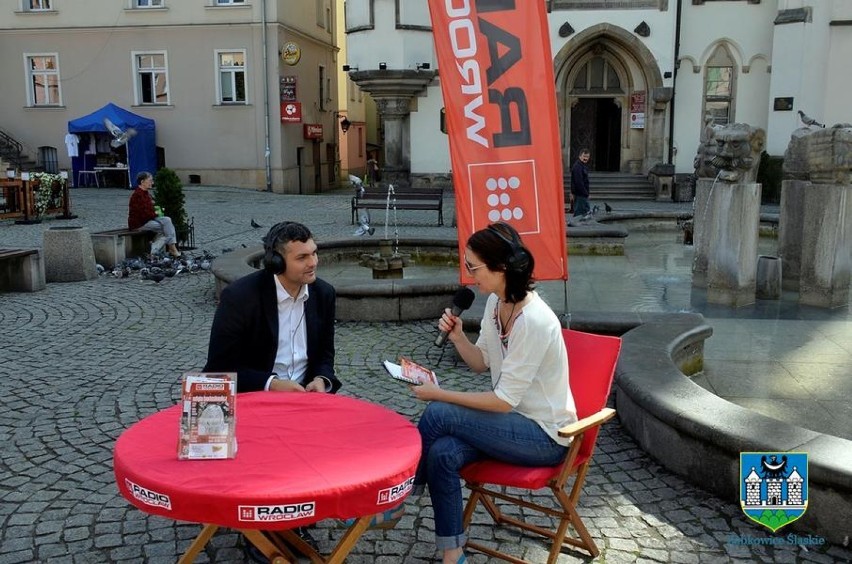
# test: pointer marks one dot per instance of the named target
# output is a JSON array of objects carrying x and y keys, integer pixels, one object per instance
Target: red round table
[{"x": 301, "y": 458}]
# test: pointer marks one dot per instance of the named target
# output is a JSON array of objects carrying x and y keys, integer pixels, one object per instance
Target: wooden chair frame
[{"x": 566, "y": 512}]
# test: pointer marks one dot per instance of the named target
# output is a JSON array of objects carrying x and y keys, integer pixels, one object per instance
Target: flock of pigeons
[{"x": 158, "y": 268}]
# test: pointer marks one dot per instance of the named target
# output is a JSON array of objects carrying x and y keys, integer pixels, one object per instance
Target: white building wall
[
  {"x": 839, "y": 78},
  {"x": 660, "y": 42},
  {"x": 430, "y": 151},
  {"x": 747, "y": 30},
  {"x": 800, "y": 64}
]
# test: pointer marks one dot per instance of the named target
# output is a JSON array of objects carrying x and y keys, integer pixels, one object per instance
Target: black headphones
[
  {"x": 273, "y": 261},
  {"x": 518, "y": 259}
]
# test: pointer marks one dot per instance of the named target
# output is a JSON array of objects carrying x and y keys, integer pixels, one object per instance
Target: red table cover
[{"x": 301, "y": 458}]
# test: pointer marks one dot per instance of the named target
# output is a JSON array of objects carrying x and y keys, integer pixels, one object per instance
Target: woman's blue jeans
[{"x": 454, "y": 436}]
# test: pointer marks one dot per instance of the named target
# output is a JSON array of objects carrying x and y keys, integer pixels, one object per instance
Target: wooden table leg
[
  {"x": 198, "y": 544},
  {"x": 270, "y": 546},
  {"x": 347, "y": 543}
]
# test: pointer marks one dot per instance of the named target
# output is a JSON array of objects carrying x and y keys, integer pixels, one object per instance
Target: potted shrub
[{"x": 168, "y": 195}]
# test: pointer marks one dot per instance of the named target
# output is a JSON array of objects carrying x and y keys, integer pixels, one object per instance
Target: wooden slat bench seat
[
  {"x": 21, "y": 270},
  {"x": 113, "y": 246},
  {"x": 429, "y": 199}
]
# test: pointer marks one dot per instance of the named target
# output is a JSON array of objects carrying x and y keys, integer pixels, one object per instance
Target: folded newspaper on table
[
  {"x": 207, "y": 422},
  {"x": 411, "y": 372}
]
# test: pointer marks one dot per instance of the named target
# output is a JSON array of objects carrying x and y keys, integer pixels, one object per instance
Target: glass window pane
[
  {"x": 597, "y": 73},
  {"x": 612, "y": 82},
  {"x": 719, "y": 111},
  {"x": 227, "y": 87},
  {"x": 161, "y": 88},
  {"x": 145, "y": 80},
  {"x": 580, "y": 81},
  {"x": 240, "y": 79}
]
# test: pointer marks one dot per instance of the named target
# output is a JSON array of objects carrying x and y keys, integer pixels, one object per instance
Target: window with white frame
[
  {"x": 231, "y": 73},
  {"x": 228, "y": 2},
  {"x": 43, "y": 80},
  {"x": 152, "y": 78},
  {"x": 719, "y": 85},
  {"x": 37, "y": 5},
  {"x": 147, "y": 3}
]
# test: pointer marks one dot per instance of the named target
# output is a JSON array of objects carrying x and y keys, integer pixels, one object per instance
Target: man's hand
[
  {"x": 280, "y": 385},
  {"x": 316, "y": 385}
]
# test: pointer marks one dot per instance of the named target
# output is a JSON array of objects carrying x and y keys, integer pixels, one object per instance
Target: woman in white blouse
[{"x": 520, "y": 343}]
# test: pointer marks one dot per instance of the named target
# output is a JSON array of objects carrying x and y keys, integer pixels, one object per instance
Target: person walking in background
[
  {"x": 373, "y": 175},
  {"x": 580, "y": 184},
  {"x": 142, "y": 215}
]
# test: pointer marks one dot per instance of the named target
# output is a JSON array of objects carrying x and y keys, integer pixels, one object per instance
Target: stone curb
[{"x": 669, "y": 415}]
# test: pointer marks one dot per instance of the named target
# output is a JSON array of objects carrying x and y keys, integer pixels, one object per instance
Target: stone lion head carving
[{"x": 730, "y": 152}]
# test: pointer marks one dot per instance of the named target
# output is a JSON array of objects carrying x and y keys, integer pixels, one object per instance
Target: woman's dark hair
[{"x": 501, "y": 249}]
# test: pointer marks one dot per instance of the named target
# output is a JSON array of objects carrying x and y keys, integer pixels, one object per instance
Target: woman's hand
[
  {"x": 451, "y": 324},
  {"x": 426, "y": 391}
]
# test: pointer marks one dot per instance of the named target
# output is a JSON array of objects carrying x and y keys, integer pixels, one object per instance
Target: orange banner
[{"x": 496, "y": 75}]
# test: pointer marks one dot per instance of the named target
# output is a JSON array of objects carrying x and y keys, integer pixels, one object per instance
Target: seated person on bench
[{"x": 141, "y": 215}]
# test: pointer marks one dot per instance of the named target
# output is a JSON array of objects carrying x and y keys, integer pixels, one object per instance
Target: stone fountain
[{"x": 388, "y": 263}]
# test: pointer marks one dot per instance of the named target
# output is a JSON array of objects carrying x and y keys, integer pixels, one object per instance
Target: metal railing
[{"x": 10, "y": 149}]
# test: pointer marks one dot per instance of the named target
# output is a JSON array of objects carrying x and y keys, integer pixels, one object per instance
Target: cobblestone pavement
[{"x": 80, "y": 362}]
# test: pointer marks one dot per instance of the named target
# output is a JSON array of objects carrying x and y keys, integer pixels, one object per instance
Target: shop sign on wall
[
  {"x": 637, "y": 110},
  {"x": 313, "y": 131},
  {"x": 287, "y": 89},
  {"x": 291, "y": 112},
  {"x": 291, "y": 53}
]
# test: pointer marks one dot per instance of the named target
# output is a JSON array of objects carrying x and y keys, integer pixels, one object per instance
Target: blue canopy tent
[{"x": 141, "y": 148}]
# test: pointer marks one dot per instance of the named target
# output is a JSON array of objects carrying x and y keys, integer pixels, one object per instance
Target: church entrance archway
[
  {"x": 599, "y": 72},
  {"x": 596, "y": 125}
]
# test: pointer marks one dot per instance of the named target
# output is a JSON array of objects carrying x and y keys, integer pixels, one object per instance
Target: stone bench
[
  {"x": 21, "y": 270},
  {"x": 429, "y": 199},
  {"x": 113, "y": 246}
]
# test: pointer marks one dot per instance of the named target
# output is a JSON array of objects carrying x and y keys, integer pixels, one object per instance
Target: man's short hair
[
  {"x": 143, "y": 176},
  {"x": 584, "y": 151}
]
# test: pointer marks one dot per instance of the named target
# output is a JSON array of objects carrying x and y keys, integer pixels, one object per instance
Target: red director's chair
[{"x": 591, "y": 366}]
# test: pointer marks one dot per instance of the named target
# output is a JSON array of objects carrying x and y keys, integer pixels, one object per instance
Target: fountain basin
[{"x": 431, "y": 279}]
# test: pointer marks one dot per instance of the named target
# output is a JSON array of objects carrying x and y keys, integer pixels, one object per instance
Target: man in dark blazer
[{"x": 285, "y": 295}]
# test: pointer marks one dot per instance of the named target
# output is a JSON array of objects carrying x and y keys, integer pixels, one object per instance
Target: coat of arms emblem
[{"x": 774, "y": 487}]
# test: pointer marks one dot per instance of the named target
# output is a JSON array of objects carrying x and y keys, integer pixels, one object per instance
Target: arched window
[
  {"x": 719, "y": 86},
  {"x": 597, "y": 76}
]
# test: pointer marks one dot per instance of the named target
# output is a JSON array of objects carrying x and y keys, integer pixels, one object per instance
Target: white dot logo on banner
[{"x": 501, "y": 203}]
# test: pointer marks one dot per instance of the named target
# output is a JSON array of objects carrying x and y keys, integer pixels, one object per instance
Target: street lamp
[{"x": 345, "y": 124}]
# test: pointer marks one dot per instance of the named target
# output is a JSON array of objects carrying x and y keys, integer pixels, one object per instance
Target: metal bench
[
  {"x": 21, "y": 270},
  {"x": 429, "y": 199},
  {"x": 113, "y": 246}
]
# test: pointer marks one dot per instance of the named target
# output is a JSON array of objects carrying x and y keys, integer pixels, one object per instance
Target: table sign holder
[{"x": 208, "y": 416}]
